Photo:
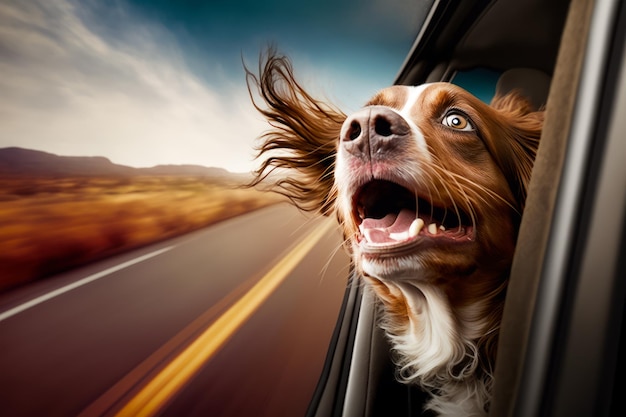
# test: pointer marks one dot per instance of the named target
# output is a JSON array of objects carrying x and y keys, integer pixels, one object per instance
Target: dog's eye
[{"x": 457, "y": 121}]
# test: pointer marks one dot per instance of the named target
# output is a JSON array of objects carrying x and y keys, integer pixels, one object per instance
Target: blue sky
[{"x": 158, "y": 82}]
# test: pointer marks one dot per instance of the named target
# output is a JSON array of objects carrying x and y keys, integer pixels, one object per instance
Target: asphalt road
[{"x": 232, "y": 320}]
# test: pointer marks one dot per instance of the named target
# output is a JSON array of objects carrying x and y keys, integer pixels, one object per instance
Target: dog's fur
[{"x": 440, "y": 154}]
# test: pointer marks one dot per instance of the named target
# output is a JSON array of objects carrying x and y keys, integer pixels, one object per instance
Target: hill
[{"x": 15, "y": 161}]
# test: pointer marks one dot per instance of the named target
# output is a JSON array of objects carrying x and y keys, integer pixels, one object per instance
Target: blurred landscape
[{"x": 59, "y": 212}]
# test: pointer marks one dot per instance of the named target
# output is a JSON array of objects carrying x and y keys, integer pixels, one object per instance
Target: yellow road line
[
  {"x": 175, "y": 375},
  {"x": 127, "y": 387}
]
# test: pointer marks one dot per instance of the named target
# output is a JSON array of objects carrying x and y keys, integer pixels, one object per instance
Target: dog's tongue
[{"x": 391, "y": 228}]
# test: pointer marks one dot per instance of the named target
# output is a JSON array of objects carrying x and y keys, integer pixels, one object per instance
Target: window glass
[{"x": 479, "y": 81}]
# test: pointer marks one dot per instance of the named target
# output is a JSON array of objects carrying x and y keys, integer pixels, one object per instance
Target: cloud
[{"x": 69, "y": 89}]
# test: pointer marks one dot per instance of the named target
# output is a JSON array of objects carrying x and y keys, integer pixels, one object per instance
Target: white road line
[{"x": 79, "y": 283}]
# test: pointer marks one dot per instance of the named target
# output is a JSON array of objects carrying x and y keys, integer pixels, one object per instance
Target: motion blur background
[{"x": 126, "y": 130}]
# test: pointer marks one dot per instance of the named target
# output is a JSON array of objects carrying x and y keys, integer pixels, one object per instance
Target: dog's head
[
  {"x": 428, "y": 182},
  {"x": 431, "y": 181}
]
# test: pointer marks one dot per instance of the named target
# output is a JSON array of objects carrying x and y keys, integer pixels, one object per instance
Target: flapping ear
[
  {"x": 515, "y": 150},
  {"x": 298, "y": 153}
]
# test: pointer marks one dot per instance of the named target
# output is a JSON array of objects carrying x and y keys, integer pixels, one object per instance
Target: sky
[{"x": 148, "y": 82}]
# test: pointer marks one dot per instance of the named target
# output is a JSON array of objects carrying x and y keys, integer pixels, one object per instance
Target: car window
[{"x": 479, "y": 81}]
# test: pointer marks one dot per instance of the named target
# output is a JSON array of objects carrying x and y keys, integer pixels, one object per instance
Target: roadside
[{"x": 48, "y": 225}]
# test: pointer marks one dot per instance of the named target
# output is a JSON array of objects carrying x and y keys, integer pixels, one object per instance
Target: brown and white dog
[{"x": 429, "y": 185}]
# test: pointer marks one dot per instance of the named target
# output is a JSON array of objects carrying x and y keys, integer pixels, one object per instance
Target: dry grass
[{"x": 48, "y": 225}]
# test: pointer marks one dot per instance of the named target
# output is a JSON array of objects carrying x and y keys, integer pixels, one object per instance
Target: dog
[{"x": 428, "y": 184}]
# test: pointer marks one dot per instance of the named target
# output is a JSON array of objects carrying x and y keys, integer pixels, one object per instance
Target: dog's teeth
[
  {"x": 442, "y": 228},
  {"x": 416, "y": 227},
  {"x": 432, "y": 229},
  {"x": 361, "y": 213}
]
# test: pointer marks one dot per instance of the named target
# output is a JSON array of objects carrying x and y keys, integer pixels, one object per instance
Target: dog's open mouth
[{"x": 389, "y": 214}]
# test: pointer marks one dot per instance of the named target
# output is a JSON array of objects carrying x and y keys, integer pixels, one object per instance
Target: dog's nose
[{"x": 373, "y": 130}]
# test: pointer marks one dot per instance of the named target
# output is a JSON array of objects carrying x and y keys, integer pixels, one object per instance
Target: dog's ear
[
  {"x": 515, "y": 150},
  {"x": 298, "y": 153}
]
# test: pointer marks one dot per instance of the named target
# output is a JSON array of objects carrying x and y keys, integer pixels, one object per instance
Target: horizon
[{"x": 113, "y": 164}]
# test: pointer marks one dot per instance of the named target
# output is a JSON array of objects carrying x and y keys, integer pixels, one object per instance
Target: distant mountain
[
  {"x": 190, "y": 170},
  {"x": 19, "y": 161},
  {"x": 16, "y": 161}
]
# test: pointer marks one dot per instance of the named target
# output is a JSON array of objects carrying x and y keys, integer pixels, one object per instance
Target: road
[{"x": 232, "y": 320}]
